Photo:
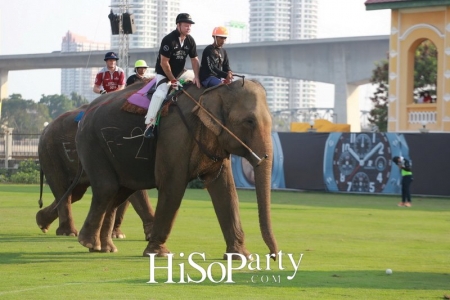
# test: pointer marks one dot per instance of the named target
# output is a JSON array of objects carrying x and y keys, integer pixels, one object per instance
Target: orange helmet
[{"x": 220, "y": 31}]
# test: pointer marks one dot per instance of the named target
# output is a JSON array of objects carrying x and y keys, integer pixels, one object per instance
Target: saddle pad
[{"x": 140, "y": 97}]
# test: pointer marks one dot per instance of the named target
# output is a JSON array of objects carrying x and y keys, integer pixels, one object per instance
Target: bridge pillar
[
  {"x": 3, "y": 84},
  {"x": 346, "y": 105},
  {"x": 346, "y": 96}
]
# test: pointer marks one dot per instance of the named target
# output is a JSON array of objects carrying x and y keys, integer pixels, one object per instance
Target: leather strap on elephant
[
  {"x": 260, "y": 160},
  {"x": 203, "y": 149}
]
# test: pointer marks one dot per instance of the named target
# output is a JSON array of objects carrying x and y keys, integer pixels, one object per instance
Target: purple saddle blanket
[{"x": 140, "y": 97}]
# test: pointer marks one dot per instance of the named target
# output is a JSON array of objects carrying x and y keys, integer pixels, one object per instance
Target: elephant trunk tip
[{"x": 273, "y": 250}]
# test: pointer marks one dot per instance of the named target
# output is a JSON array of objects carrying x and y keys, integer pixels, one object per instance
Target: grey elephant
[
  {"x": 191, "y": 142},
  {"x": 59, "y": 161}
]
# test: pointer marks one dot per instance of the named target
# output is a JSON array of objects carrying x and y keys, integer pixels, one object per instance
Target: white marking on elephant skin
[
  {"x": 141, "y": 133},
  {"x": 66, "y": 150},
  {"x": 106, "y": 141},
  {"x": 138, "y": 155}
]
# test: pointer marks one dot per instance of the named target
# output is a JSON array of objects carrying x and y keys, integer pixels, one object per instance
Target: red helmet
[{"x": 220, "y": 31}]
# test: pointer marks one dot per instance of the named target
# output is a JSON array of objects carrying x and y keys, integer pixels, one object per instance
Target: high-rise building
[
  {"x": 153, "y": 19},
  {"x": 79, "y": 80},
  {"x": 276, "y": 20}
]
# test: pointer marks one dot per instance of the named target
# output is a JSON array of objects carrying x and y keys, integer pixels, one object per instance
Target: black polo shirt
[
  {"x": 133, "y": 78},
  {"x": 171, "y": 48},
  {"x": 214, "y": 63}
]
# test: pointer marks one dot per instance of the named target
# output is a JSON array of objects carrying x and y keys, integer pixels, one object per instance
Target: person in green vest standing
[{"x": 407, "y": 178}]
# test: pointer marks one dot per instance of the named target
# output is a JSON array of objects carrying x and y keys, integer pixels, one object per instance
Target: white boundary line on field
[{"x": 61, "y": 285}]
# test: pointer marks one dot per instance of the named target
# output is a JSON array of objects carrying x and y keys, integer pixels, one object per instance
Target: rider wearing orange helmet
[{"x": 215, "y": 65}]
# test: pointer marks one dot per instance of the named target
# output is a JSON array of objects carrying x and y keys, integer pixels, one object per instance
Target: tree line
[{"x": 27, "y": 116}]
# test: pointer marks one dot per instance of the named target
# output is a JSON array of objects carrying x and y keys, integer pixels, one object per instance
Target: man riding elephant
[
  {"x": 174, "y": 49},
  {"x": 59, "y": 161},
  {"x": 194, "y": 140}
]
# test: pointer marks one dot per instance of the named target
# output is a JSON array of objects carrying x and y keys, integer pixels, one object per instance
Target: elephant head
[{"x": 243, "y": 110}]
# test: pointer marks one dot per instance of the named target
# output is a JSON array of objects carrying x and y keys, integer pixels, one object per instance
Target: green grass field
[{"x": 347, "y": 242}]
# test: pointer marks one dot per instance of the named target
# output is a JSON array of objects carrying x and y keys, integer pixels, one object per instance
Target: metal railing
[{"x": 18, "y": 146}]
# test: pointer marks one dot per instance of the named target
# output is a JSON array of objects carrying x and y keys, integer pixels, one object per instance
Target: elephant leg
[
  {"x": 226, "y": 205},
  {"x": 89, "y": 235},
  {"x": 169, "y": 200},
  {"x": 61, "y": 210},
  {"x": 66, "y": 223},
  {"x": 102, "y": 233},
  {"x": 120, "y": 212},
  {"x": 107, "y": 244},
  {"x": 46, "y": 216},
  {"x": 143, "y": 208}
]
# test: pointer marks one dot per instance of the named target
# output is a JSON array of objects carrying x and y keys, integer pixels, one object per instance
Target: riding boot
[
  {"x": 155, "y": 104},
  {"x": 148, "y": 133}
]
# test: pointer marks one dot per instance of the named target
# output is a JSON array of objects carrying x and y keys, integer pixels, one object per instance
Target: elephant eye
[{"x": 250, "y": 122}]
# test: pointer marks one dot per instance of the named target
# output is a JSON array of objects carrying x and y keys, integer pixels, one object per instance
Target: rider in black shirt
[
  {"x": 140, "y": 67},
  {"x": 175, "y": 47},
  {"x": 215, "y": 63}
]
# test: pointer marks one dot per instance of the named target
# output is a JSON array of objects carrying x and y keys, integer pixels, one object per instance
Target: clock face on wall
[{"x": 360, "y": 162}]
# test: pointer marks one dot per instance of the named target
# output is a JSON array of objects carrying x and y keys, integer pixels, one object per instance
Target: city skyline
[
  {"x": 38, "y": 34},
  {"x": 271, "y": 20}
]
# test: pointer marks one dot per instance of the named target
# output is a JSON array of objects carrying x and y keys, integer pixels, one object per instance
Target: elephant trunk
[{"x": 263, "y": 186}]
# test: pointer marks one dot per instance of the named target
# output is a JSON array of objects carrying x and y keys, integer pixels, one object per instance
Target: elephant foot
[
  {"x": 44, "y": 221},
  {"x": 160, "y": 250},
  {"x": 117, "y": 234},
  {"x": 104, "y": 250},
  {"x": 107, "y": 247},
  {"x": 89, "y": 241},
  {"x": 241, "y": 251},
  {"x": 66, "y": 231},
  {"x": 148, "y": 230}
]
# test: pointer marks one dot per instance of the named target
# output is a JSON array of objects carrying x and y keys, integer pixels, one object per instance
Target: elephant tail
[
  {"x": 73, "y": 185},
  {"x": 41, "y": 203}
]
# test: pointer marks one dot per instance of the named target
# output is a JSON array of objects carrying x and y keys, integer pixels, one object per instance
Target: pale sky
[{"x": 37, "y": 26}]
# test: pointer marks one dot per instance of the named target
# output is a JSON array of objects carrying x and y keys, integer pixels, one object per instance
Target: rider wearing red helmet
[{"x": 215, "y": 63}]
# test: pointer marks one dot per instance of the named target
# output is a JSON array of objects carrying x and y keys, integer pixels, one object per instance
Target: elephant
[
  {"x": 59, "y": 162},
  {"x": 191, "y": 142}
]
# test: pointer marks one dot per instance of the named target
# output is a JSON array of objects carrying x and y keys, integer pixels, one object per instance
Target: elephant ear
[{"x": 211, "y": 102}]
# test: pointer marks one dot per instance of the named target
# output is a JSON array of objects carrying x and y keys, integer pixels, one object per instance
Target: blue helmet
[{"x": 111, "y": 55}]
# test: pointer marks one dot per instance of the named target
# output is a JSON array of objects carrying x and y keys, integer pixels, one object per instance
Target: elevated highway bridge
[{"x": 345, "y": 62}]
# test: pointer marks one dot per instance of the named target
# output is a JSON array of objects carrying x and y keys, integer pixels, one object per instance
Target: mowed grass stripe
[{"x": 347, "y": 242}]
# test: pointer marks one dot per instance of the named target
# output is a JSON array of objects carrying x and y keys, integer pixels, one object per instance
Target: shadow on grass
[
  {"x": 324, "y": 279},
  {"x": 337, "y": 200}
]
